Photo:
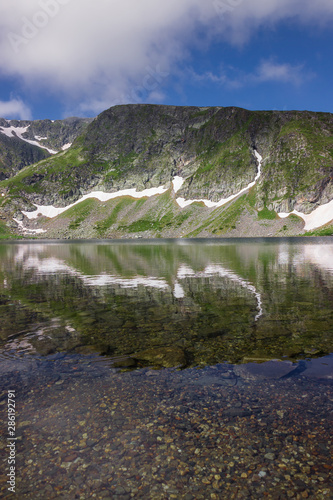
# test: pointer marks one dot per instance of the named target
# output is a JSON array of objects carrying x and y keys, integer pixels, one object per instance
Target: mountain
[{"x": 185, "y": 160}]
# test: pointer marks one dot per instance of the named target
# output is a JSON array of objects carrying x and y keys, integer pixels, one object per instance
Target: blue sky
[{"x": 62, "y": 58}]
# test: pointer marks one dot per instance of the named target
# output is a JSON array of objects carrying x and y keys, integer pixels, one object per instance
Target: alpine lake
[{"x": 167, "y": 369}]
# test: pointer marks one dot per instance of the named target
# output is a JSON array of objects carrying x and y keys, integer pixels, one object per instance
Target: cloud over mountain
[
  {"x": 95, "y": 54},
  {"x": 15, "y": 108}
]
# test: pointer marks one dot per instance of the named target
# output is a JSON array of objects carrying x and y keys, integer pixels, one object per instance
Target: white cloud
[
  {"x": 238, "y": 23},
  {"x": 209, "y": 76},
  {"x": 267, "y": 71},
  {"x": 98, "y": 53},
  {"x": 15, "y": 108},
  {"x": 270, "y": 71}
]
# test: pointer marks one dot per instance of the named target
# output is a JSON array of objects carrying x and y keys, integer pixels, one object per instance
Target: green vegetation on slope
[
  {"x": 223, "y": 219},
  {"x": 122, "y": 203},
  {"x": 327, "y": 230},
  {"x": 267, "y": 214},
  {"x": 5, "y": 233}
]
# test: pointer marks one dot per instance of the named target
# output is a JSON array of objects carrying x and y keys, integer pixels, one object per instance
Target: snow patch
[
  {"x": 27, "y": 230},
  {"x": 51, "y": 211},
  {"x": 66, "y": 146},
  {"x": 211, "y": 204},
  {"x": 177, "y": 183},
  {"x": 320, "y": 216},
  {"x": 19, "y": 131},
  {"x": 259, "y": 158},
  {"x": 11, "y": 131}
]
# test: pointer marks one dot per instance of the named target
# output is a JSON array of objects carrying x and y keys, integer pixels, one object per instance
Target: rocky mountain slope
[
  {"x": 23, "y": 143},
  {"x": 184, "y": 161}
]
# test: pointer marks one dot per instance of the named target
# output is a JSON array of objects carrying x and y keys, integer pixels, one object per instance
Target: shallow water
[{"x": 169, "y": 369}]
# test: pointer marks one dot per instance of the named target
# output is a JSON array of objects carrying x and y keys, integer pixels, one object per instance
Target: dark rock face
[
  {"x": 57, "y": 133},
  {"x": 16, "y": 153}
]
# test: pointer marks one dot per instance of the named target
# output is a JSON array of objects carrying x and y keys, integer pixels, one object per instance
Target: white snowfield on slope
[
  {"x": 51, "y": 211},
  {"x": 210, "y": 204},
  {"x": 320, "y": 216},
  {"x": 19, "y": 131}
]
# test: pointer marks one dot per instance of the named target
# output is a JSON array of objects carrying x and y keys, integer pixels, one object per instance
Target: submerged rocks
[
  {"x": 270, "y": 370},
  {"x": 166, "y": 357},
  {"x": 320, "y": 369},
  {"x": 124, "y": 362}
]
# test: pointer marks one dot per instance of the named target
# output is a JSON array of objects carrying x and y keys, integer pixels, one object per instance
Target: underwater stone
[{"x": 167, "y": 357}]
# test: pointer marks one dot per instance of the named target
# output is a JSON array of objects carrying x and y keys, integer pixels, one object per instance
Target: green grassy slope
[{"x": 143, "y": 146}]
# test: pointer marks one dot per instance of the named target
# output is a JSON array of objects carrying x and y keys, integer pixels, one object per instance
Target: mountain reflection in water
[{"x": 214, "y": 300}]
